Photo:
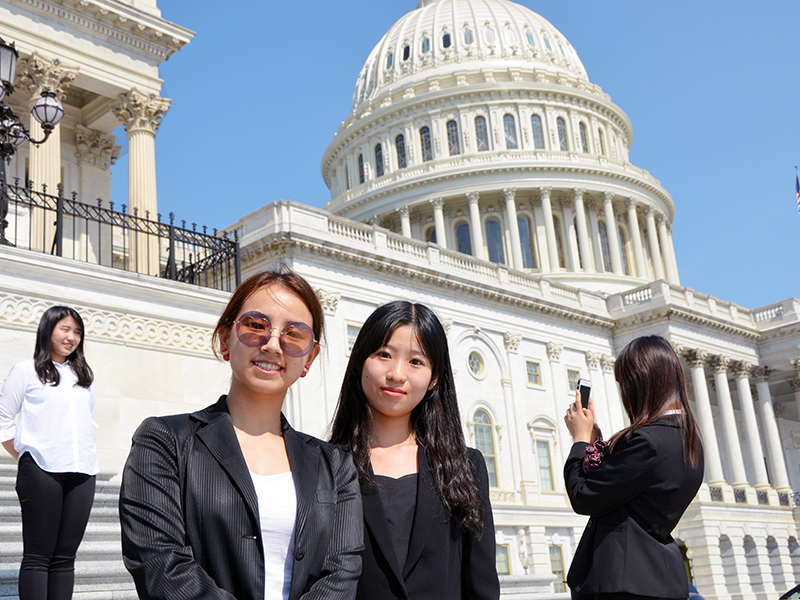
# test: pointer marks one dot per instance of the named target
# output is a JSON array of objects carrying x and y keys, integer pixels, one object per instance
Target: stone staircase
[{"x": 99, "y": 572}]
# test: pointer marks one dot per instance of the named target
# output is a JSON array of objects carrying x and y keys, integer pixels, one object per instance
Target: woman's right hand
[
  {"x": 580, "y": 421},
  {"x": 9, "y": 446}
]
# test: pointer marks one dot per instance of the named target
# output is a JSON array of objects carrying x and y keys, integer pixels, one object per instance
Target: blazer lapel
[
  {"x": 220, "y": 439},
  {"x": 428, "y": 505},
  {"x": 375, "y": 520},
  {"x": 304, "y": 461}
]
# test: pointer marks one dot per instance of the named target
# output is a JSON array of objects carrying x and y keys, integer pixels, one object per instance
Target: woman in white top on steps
[{"x": 55, "y": 447}]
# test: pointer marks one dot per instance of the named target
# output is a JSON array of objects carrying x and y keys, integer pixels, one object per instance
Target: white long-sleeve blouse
[{"x": 55, "y": 422}]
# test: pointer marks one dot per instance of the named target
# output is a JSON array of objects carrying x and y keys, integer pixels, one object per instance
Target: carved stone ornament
[
  {"x": 37, "y": 73},
  {"x": 138, "y": 111},
  {"x": 696, "y": 357},
  {"x": 95, "y": 148},
  {"x": 794, "y": 383},
  {"x": 608, "y": 363},
  {"x": 447, "y": 324},
  {"x": 509, "y": 194},
  {"x": 742, "y": 369},
  {"x": 554, "y": 351},
  {"x": 593, "y": 359},
  {"x": 472, "y": 197},
  {"x": 328, "y": 300},
  {"x": 512, "y": 341},
  {"x": 762, "y": 373},
  {"x": 795, "y": 364}
]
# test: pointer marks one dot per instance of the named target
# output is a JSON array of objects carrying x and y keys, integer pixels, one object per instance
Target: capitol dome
[{"x": 475, "y": 127}]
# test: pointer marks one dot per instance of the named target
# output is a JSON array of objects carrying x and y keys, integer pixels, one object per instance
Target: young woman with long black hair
[
  {"x": 230, "y": 502},
  {"x": 429, "y": 532},
  {"x": 54, "y": 445},
  {"x": 637, "y": 488}
]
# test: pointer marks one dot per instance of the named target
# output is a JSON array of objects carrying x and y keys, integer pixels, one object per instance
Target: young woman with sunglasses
[
  {"x": 54, "y": 445},
  {"x": 429, "y": 532},
  {"x": 230, "y": 502}
]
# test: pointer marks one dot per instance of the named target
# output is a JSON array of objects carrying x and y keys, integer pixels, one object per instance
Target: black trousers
[
  {"x": 619, "y": 597},
  {"x": 55, "y": 510}
]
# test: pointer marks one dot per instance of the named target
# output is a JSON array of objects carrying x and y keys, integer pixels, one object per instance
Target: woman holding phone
[
  {"x": 637, "y": 487},
  {"x": 230, "y": 502},
  {"x": 429, "y": 533}
]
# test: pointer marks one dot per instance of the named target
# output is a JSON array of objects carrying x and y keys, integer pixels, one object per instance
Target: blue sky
[{"x": 712, "y": 90}]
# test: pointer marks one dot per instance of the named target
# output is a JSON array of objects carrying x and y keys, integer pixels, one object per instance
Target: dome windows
[
  {"x": 469, "y": 38},
  {"x": 406, "y": 52},
  {"x": 453, "y": 143},
  {"x": 389, "y": 60},
  {"x": 561, "y": 48},
  {"x": 494, "y": 240},
  {"x": 481, "y": 133},
  {"x": 490, "y": 35},
  {"x": 425, "y": 143},
  {"x": 378, "y": 160},
  {"x": 601, "y": 142},
  {"x": 463, "y": 242},
  {"x": 531, "y": 41},
  {"x": 361, "y": 172},
  {"x": 562, "y": 135},
  {"x": 446, "y": 40},
  {"x": 538, "y": 133},
  {"x": 400, "y": 148},
  {"x": 547, "y": 43},
  {"x": 584, "y": 139},
  {"x": 426, "y": 45},
  {"x": 510, "y": 131},
  {"x": 511, "y": 36}
]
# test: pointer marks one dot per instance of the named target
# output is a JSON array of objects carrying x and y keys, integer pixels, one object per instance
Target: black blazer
[
  {"x": 189, "y": 513},
  {"x": 444, "y": 562},
  {"x": 635, "y": 499}
]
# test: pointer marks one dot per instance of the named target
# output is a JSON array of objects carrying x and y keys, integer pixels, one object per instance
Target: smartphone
[{"x": 585, "y": 388}]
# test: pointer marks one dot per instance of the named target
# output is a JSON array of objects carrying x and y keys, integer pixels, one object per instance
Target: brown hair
[
  {"x": 282, "y": 276},
  {"x": 651, "y": 382}
]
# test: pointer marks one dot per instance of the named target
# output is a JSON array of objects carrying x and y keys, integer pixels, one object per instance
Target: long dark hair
[
  {"x": 651, "y": 382},
  {"x": 43, "y": 358},
  {"x": 435, "y": 420}
]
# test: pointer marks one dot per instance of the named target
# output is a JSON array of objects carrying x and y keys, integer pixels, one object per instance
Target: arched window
[
  {"x": 601, "y": 226},
  {"x": 559, "y": 242},
  {"x": 547, "y": 43},
  {"x": 389, "y": 60},
  {"x": 406, "y": 52},
  {"x": 378, "y": 160},
  {"x": 538, "y": 133},
  {"x": 463, "y": 242},
  {"x": 494, "y": 239},
  {"x": 400, "y": 147},
  {"x": 430, "y": 234},
  {"x": 361, "y": 174},
  {"x": 584, "y": 139},
  {"x": 468, "y": 37},
  {"x": 526, "y": 241},
  {"x": 623, "y": 248},
  {"x": 347, "y": 177},
  {"x": 562, "y": 134},
  {"x": 510, "y": 130},
  {"x": 484, "y": 442},
  {"x": 601, "y": 142},
  {"x": 425, "y": 143},
  {"x": 446, "y": 40},
  {"x": 575, "y": 225},
  {"x": 481, "y": 134},
  {"x": 491, "y": 38},
  {"x": 453, "y": 143},
  {"x": 529, "y": 37},
  {"x": 426, "y": 45}
]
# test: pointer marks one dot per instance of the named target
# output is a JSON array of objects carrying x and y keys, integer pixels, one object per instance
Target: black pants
[
  {"x": 618, "y": 597},
  {"x": 55, "y": 510}
]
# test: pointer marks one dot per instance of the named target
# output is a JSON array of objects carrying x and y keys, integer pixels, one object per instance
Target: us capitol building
[{"x": 482, "y": 173}]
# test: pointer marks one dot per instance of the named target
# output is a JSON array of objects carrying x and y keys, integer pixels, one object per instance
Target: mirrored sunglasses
[{"x": 254, "y": 330}]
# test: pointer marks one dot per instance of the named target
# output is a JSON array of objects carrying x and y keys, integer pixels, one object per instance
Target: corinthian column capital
[
  {"x": 138, "y": 111},
  {"x": 762, "y": 374},
  {"x": 577, "y": 194},
  {"x": 544, "y": 192},
  {"x": 95, "y": 148},
  {"x": 742, "y": 369},
  {"x": 472, "y": 197},
  {"x": 608, "y": 197},
  {"x": 509, "y": 193},
  {"x": 720, "y": 363},
  {"x": 695, "y": 357},
  {"x": 37, "y": 73},
  {"x": 437, "y": 203}
]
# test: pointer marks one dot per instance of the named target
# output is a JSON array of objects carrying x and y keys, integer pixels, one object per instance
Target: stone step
[
  {"x": 94, "y": 579},
  {"x": 94, "y": 531},
  {"x": 11, "y": 551}
]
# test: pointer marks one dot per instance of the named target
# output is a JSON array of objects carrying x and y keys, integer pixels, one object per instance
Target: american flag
[{"x": 797, "y": 188}]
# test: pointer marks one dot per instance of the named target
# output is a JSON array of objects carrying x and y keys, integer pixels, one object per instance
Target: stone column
[
  {"x": 777, "y": 463},
  {"x": 592, "y": 218},
  {"x": 636, "y": 238},
  {"x": 795, "y": 382},
  {"x": 611, "y": 232},
  {"x": 742, "y": 375},
  {"x": 619, "y": 419},
  {"x": 475, "y": 226},
  {"x": 405, "y": 221},
  {"x": 35, "y": 75},
  {"x": 663, "y": 239},
  {"x": 438, "y": 221},
  {"x": 705, "y": 417},
  {"x": 539, "y": 235},
  {"x": 719, "y": 365},
  {"x": 141, "y": 115},
  {"x": 572, "y": 239},
  {"x": 672, "y": 258},
  {"x": 652, "y": 236},
  {"x": 583, "y": 234},
  {"x": 513, "y": 226},
  {"x": 549, "y": 227}
]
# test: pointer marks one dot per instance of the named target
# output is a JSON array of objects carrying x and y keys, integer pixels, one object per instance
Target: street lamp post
[{"x": 47, "y": 110}]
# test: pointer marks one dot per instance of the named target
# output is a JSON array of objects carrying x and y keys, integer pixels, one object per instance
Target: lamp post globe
[{"x": 8, "y": 67}]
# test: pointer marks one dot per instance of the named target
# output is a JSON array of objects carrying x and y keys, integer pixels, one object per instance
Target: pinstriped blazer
[{"x": 190, "y": 522}]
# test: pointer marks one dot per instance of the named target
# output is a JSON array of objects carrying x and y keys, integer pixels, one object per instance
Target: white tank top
[{"x": 277, "y": 508}]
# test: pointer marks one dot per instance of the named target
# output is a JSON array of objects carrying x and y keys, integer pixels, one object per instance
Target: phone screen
[{"x": 585, "y": 388}]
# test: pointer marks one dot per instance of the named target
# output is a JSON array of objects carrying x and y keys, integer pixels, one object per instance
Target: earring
[
  {"x": 305, "y": 372},
  {"x": 225, "y": 355}
]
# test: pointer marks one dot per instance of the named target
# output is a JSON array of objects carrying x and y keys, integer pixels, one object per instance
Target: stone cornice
[
  {"x": 677, "y": 313},
  {"x": 125, "y": 25},
  {"x": 295, "y": 245}
]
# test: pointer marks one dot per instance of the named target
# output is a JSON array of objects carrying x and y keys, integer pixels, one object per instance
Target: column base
[{"x": 716, "y": 491}]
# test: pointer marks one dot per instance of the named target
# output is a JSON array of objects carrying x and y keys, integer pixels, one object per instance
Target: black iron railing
[{"x": 96, "y": 233}]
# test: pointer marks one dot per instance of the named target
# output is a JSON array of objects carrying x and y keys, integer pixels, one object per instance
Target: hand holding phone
[{"x": 585, "y": 388}]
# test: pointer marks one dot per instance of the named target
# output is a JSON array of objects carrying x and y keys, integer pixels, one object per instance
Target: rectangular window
[
  {"x": 557, "y": 567},
  {"x": 501, "y": 560},
  {"x": 573, "y": 377},
  {"x": 534, "y": 373},
  {"x": 352, "y": 334},
  {"x": 545, "y": 465}
]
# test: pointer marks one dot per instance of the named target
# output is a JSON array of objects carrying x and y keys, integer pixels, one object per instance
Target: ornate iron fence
[{"x": 40, "y": 222}]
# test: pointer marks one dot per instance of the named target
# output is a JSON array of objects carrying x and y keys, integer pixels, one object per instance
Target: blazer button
[{"x": 299, "y": 554}]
